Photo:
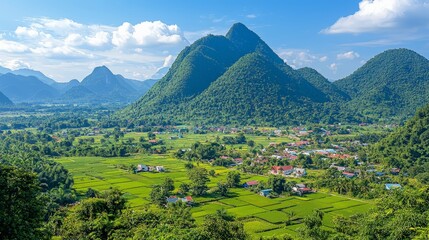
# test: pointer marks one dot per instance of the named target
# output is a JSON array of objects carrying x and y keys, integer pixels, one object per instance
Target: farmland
[{"x": 261, "y": 216}]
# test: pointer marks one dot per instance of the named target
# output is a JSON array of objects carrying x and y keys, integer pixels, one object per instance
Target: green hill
[
  {"x": 393, "y": 83},
  {"x": 238, "y": 79},
  {"x": 407, "y": 146},
  {"x": 320, "y": 82},
  {"x": 234, "y": 79}
]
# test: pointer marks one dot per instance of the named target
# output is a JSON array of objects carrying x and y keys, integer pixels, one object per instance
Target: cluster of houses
[
  {"x": 174, "y": 199},
  {"x": 299, "y": 189},
  {"x": 145, "y": 168},
  {"x": 288, "y": 171}
]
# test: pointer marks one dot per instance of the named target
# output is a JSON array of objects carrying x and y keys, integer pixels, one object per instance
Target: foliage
[
  {"x": 21, "y": 205},
  {"x": 199, "y": 179}
]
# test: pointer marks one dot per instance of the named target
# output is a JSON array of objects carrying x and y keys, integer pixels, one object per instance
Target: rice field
[{"x": 261, "y": 216}]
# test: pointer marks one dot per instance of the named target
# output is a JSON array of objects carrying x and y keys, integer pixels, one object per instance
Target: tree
[
  {"x": 233, "y": 179},
  {"x": 277, "y": 183},
  {"x": 91, "y": 193},
  {"x": 222, "y": 188},
  {"x": 312, "y": 227},
  {"x": 212, "y": 173},
  {"x": 159, "y": 195},
  {"x": 199, "y": 179},
  {"x": 290, "y": 217},
  {"x": 221, "y": 226},
  {"x": 21, "y": 205},
  {"x": 168, "y": 184},
  {"x": 189, "y": 166},
  {"x": 184, "y": 188},
  {"x": 250, "y": 143}
]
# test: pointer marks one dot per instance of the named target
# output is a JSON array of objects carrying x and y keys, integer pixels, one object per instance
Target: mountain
[
  {"x": 102, "y": 85},
  {"x": 393, "y": 83},
  {"x": 4, "y": 70},
  {"x": 78, "y": 94},
  {"x": 5, "y": 101},
  {"x": 29, "y": 72},
  {"x": 63, "y": 87},
  {"x": 232, "y": 79},
  {"x": 26, "y": 89},
  {"x": 320, "y": 82},
  {"x": 407, "y": 146}
]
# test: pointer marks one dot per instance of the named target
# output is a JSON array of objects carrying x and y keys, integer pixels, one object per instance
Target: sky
[{"x": 67, "y": 39}]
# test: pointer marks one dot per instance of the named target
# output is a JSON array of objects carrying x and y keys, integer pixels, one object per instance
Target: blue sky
[{"x": 66, "y": 39}]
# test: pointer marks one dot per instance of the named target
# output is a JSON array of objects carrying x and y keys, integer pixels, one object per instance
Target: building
[
  {"x": 265, "y": 192},
  {"x": 390, "y": 186},
  {"x": 250, "y": 184}
]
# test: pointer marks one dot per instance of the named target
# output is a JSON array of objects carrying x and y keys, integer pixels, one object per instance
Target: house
[
  {"x": 265, "y": 192},
  {"x": 300, "y": 172},
  {"x": 153, "y": 141},
  {"x": 142, "y": 168},
  {"x": 339, "y": 168},
  {"x": 172, "y": 199},
  {"x": 159, "y": 168},
  {"x": 238, "y": 161},
  {"x": 250, "y": 184},
  {"x": 301, "y": 189},
  {"x": 348, "y": 174},
  {"x": 188, "y": 200},
  {"x": 390, "y": 186},
  {"x": 395, "y": 171},
  {"x": 284, "y": 170}
]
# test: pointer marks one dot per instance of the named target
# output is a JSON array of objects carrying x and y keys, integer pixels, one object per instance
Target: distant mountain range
[
  {"x": 238, "y": 79},
  {"x": 101, "y": 86}
]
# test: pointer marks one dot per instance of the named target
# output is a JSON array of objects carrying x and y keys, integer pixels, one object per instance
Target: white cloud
[
  {"x": 15, "y": 64},
  {"x": 99, "y": 39},
  {"x": 348, "y": 55},
  {"x": 147, "y": 34},
  {"x": 53, "y": 44},
  {"x": 323, "y": 59},
  {"x": 251, "y": 16},
  {"x": 26, "y": 32},
  {"x": 297, "y": 58},
  {"x": 333, "y": 67},
  {"x": 12, "y": 46},
  {"x": 169, "y": 61},
  {"x": 376, "y": 15}
]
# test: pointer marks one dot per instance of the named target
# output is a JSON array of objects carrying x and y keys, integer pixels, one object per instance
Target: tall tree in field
[
  {"x": 199, "y": 179},
  {"x": 21, "y": 208},
  {"x": 233, "y": 179}
]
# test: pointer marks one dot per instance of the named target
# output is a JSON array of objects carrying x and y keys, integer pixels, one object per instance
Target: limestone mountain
[
  {"x": 393, "y": 83},
  {"x": 235, "y": 78}
]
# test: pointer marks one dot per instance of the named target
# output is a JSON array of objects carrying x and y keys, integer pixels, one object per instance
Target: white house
[
  {"x": 160, "y": 168},
  {"x": 142, "y": 168}
]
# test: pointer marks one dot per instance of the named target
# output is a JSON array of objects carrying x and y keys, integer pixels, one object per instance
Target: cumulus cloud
[
  {"x": 146, "y": 34},
  {"x": 26, "y": 32},
  {"x": 12, "y": 46},
  {"x": 348, "y": 55},
  {"x": 98, "y": 39},
  {"x": 15, "y": 64},
  {"x": 376, "y": 15},
  {"x": 47, "y": 43},
  {"x": 298, "y": 58}
]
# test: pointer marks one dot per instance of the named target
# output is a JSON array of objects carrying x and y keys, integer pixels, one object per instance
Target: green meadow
[{"x": 261, "y": 216}]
